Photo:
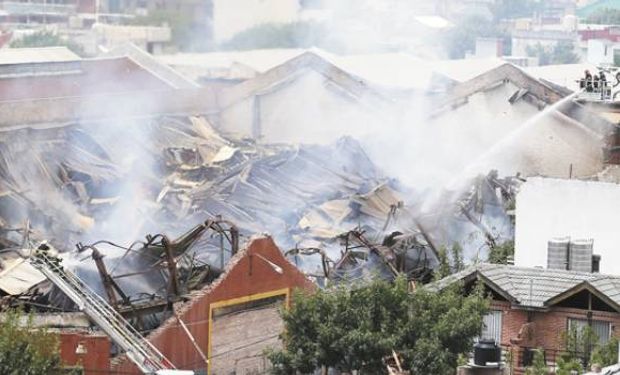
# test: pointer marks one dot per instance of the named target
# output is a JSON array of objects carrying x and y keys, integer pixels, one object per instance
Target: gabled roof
[
  {"x": 36, "y": 55},
  {"x": 537, "y": 288},
  {"x": 503, "y": 73},
  {"x": 537, "y": 91},
  {"x": 291, "y": 69},
  {"x": 149, "y": 63}
]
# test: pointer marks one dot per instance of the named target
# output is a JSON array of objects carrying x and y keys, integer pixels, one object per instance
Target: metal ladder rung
[{"x": 93, "y": 302}]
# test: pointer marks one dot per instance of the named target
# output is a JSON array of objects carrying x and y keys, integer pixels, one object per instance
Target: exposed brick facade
[
  {"x": 547, "y": 326},
  {"x": 245, "y": 275},
  {"x": 95, "y": 360},
  {"x": 92, "y": 77}
]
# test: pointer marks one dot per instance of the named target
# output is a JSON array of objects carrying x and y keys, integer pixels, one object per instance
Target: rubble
[{"x": 89, "y": 193}]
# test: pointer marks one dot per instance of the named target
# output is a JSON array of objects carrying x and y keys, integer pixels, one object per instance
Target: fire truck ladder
[{"x": 148, "y": 359}]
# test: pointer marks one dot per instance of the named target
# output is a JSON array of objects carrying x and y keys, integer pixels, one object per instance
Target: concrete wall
[
  {"x": 233, "y": 16},
  {"x": 488, "y": 133},
  {"x": 246, "y": 275},
  {"x": 548, "y": 208},
  {"x": 600, "y": 52},
  {"x": 308, "y": 108}
]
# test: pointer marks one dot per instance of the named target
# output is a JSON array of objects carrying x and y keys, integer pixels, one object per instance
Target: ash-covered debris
[
  {"x": 477, "y": 218},
  {"x": 82, "y": 185},
  {"x": 343, "y": 220}
]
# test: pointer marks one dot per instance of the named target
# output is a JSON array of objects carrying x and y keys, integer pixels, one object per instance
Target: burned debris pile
[{"x": 90, "y": 190}]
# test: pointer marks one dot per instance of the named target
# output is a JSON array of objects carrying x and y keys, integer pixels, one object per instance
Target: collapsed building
[{"x": 151, "y": 196}]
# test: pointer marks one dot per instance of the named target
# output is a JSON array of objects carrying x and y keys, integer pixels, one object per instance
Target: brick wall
[
  {"x": 547, "y": 325},
  {"x": 95, "y": 77},
  {"x": 95, "y": 360},
  {"x": 246, "y": 274}
]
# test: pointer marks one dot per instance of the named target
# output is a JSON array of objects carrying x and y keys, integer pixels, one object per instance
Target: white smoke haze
[{"x": 427, "y": 154}]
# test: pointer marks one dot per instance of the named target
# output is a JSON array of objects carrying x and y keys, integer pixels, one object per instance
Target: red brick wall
[
  {"x": 100, "y": 76},
  {"x": 547, "y": 326},
  {"x": 95, "y": 361},
  {"x": 246, "y": 275}
]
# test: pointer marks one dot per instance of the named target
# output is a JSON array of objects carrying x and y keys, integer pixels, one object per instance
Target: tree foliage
[
  {"x": 562, "y": 52},
  {"x": 26, "y": 350},
  {"x": 605, "y": 16},
  {"x": 499, "y": 254},
  {"x": 47, "y": 39},
  {"x": 538, "y": 367},
  {"x": 462, "y": 37},
  {"x": 355, "y": 329},
  {"x": 567, "y": 366},
  {"x": 303, "y": 34},
  {"x": 607, "y": 354},
  {"x": 449, "y": 263},
  {"x": 583, "y": 348},
  {"x": 511, "y": 9},
  {"x": 186, "y": 34}
]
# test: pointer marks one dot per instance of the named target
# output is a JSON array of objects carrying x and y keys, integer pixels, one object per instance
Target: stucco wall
[{"x": 308, "y": 108}]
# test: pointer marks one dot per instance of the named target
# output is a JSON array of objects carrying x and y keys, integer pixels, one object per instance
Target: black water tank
[{"x": 486, "y": 351}]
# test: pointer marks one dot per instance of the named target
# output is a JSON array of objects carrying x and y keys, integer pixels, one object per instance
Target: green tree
[
  {"x": 538, "y": 367},
  {"x": 26, "y": 350},
  {"x": 511, "y": 9},
  {"x": 443, "y": 268},
  {"x": 567, "y": 366},
  {"x": 355, "y": 329},
  {"x": 581, "y": 345},
  {"x": 47, "y": 39},
  {"x": 303, "y": 34},
  {"x": 607, "y": 354},
  {"x": 562, "y": 52},
  {"x": 499, "y": 254},
  {"x": 462, "y": 37},
  {"x": 605, "y": 16},
  {"x": 187, "y": 35},
  {"x": 458, "y": 264}
]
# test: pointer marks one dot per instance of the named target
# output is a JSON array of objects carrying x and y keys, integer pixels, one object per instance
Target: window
[
  {"x": 492, "y": 327},
  {"x": 601, "y": 328}
]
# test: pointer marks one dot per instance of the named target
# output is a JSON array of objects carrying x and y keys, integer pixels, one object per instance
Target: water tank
[
  {"x": 580, "y": 257},
  {"x": 487, "y": 351},
  {"x": 557, "y": 253}
]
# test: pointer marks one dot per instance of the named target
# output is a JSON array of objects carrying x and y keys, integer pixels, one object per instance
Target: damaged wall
[
  {"x": 93, "y": 355},
  {"x": 247, "y": 274},
  {"x": 306, "y": 107}
]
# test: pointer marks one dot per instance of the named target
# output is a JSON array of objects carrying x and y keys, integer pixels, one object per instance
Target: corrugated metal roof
[
  {"x": 36, "y": 55},
  {"x": 533, "y": 287},
  {"x": 18, "y": 276}
]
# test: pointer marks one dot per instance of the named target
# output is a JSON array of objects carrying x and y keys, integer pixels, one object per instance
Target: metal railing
[
  {"x": 523, "y": 357},
  {"x": 595, "y": 89}
]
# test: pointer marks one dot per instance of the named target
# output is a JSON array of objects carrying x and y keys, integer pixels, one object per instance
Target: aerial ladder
[{"x": 141, "y": 352}]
